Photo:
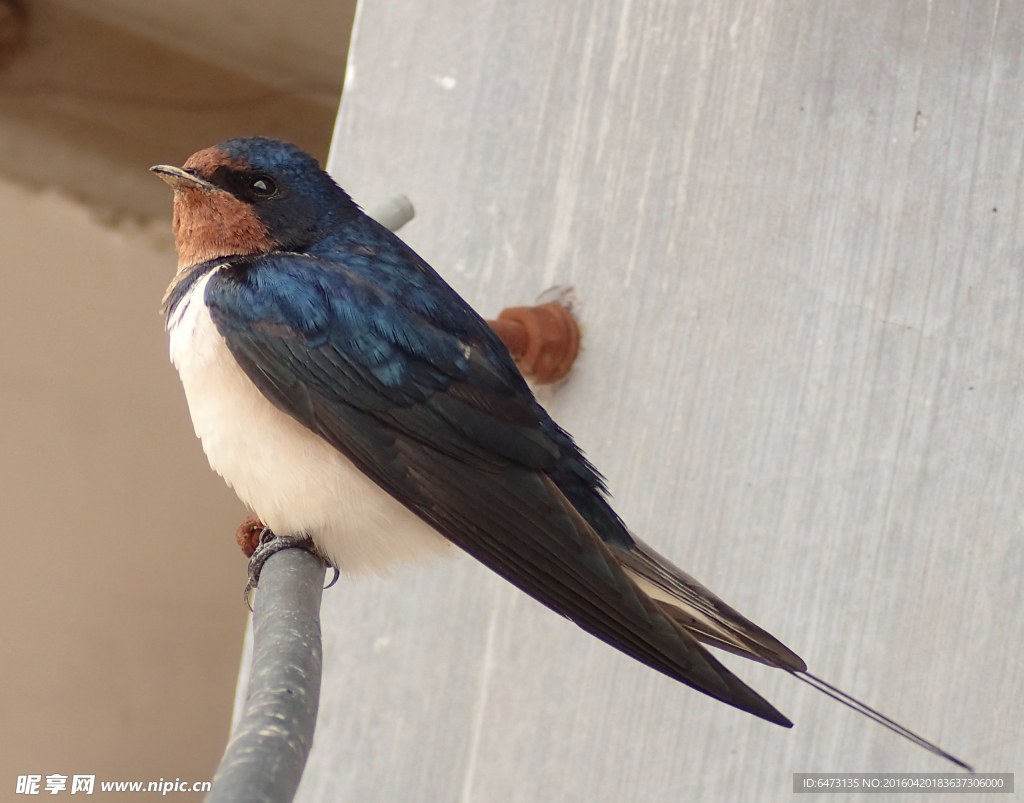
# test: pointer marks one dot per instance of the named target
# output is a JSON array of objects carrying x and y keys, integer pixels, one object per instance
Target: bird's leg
[{"x": 259, "y": 542}]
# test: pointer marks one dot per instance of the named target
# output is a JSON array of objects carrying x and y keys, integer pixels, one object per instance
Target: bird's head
[{"x": 250, "y": 196}]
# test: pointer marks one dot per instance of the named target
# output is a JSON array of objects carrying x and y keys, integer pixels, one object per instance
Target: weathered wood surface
[{"x": 792, "y": 230}]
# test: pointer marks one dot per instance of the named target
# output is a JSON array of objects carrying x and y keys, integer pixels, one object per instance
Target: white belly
[{"x": 292, "y": 479}]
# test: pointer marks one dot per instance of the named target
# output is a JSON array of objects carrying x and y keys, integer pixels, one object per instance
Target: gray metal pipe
[
  {"x": 393, "y": 212},
  {"x": 264, "y": 760},
  {"x": 267, "y": 753}
]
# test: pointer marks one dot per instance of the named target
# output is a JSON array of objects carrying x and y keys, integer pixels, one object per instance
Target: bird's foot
[{"x": 267, "y": 543}]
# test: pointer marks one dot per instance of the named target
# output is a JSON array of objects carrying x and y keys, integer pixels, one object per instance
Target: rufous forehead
[{"x": 206, "y": 161}]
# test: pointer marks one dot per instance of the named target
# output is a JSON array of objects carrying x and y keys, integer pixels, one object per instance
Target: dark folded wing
[{"x": 420, "y": 395}]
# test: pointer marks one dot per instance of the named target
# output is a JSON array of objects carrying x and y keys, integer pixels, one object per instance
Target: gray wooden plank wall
[{"x": 792, "y": 230}]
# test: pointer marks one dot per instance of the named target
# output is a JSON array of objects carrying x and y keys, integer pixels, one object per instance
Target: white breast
[{"x": 292, "y": 479}]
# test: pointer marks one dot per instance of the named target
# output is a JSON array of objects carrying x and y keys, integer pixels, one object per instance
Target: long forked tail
[
  {"x": 862, "y": 708},
  {"x": 716, "y": 624}
]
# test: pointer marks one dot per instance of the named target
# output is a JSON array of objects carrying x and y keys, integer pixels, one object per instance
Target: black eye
[{"x": 262, "y": 186}]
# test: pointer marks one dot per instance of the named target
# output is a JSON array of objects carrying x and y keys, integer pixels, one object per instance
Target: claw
[{"x": 271, "y": 544}]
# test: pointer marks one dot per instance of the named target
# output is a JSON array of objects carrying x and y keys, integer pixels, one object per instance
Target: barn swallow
[{"x": 356, "y": 403}]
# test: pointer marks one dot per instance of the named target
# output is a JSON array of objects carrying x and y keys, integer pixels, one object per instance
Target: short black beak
[{"x": 181, "y": 179}]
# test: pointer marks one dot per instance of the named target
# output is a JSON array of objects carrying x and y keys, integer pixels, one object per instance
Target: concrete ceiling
[
  {"x": 299, "y": 46},
  {"x": 106, "y": 88}
]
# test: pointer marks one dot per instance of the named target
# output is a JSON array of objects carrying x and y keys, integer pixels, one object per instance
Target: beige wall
[
  {"x": 120, "y": 577},
  {"x": 120, "y": 580}
]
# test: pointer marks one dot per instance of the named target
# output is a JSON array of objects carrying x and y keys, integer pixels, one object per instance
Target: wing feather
[{"x": 700, "y": 611}]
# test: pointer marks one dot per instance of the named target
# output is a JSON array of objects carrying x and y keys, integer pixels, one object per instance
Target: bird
[{"x": 363, "y": 410}]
